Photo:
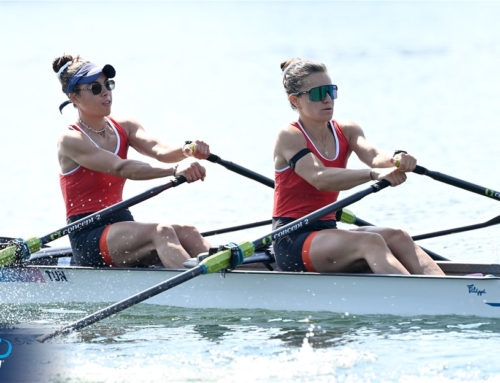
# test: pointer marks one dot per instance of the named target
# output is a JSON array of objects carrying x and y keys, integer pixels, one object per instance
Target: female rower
[
  {"x": 310, "y": 158},
  {"x": 93, "y": 162}
]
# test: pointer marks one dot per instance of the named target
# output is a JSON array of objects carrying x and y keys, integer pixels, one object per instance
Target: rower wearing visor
[
  {"x": 310, "y": 159},
  {"x": 94, "y": 166}
]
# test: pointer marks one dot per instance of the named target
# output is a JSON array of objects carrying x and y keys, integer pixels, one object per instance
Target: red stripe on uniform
[
  {"x": 103, "y": 248},
  {"x": 306, "y": 256}
]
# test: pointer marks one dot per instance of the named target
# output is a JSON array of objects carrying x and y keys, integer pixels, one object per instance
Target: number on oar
[
  {"x": 490, "y": 193},
  {"x": 23, "y": 249},
  {"x": 218, "y": 261}
]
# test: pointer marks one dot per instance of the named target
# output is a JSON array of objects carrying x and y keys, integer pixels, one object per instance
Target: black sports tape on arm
[{"x": 298, "y": 156}]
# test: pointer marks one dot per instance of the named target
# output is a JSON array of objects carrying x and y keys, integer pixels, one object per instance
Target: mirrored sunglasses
[
  {"x": 319, "y": 93},
  {"x": 96, "y": 87}
]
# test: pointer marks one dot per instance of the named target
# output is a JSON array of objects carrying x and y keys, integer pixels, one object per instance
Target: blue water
[{"x": 418, "y": 76}]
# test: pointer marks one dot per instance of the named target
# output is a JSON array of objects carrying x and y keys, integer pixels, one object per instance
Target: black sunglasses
[
  {"x": 319, "y": 93},
  {"x": 96, "y": 87}
]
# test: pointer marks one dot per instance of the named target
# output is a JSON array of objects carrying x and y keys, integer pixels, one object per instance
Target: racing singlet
[
  {"x": 88, "y": 191},
  {"x": 293, "y": 196}
]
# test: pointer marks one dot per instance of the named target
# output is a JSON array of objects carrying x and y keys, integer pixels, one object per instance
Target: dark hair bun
[
  {"x": 59, "y": 62},
  {"x": 287, "y": 63}
]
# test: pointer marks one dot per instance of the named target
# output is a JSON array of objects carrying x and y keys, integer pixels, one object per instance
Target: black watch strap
[{"x": 400, "y": 151}]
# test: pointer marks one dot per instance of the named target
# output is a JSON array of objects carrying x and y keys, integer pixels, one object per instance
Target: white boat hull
[{"x": 355, "y": 294}]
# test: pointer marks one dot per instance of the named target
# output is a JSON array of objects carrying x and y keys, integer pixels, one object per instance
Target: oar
[
  {"x": 458, "y": 183},
  {"x": 491, "y": 222},
  {"x": 218, "y": 261},
  {"x": 12, "y": 253},
  {"x": 345, "y": 217},
  {"x": 241, "y": 170},
  {"x": 236, "y": 228},
  {"x": 49, "y": 252},
  {"x": 349, "y": 217}
]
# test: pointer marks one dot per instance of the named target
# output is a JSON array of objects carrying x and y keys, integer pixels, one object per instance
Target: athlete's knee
[
  {"x": 371, "y": 240},
  {"x": 165, "y": 232},
  {"x": 398, "y": 236},
  {"x": 186, "y": 231}
]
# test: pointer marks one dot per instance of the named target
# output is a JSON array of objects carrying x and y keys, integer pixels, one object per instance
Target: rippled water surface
[{"x": 152, "y": 343}]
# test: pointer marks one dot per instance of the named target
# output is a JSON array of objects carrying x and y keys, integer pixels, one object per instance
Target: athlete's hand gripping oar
[
  {"x": 349, "y": 217},
  {"x": 24, "y": 248},
  {"x": 219, "y": 261},
  {"x": 458, "y": 183}
]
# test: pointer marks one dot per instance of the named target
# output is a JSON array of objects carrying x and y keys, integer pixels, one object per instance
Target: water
[{"x": 418, "y": 76}]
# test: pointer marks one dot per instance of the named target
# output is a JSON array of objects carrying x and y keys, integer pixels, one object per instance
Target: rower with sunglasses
[
  {"x": 310, "y": 158},
  {"x": 94, "y": 167}
]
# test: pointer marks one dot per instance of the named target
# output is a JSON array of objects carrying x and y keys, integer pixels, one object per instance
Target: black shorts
[
  {"x": 288, "y": 249},
  {"x": 85, "y": 243}
]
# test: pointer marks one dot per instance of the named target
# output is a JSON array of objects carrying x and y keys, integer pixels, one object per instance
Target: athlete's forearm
[{"x": 138, "y": 170}]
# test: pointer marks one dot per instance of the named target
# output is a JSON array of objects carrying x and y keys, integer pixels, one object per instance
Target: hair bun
[
  {"x": 287, "y": 63},
  {"x": 59, "y": 62}
]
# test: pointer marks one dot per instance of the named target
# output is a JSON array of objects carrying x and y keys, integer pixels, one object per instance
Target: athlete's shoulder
[
  {"x": 129, "y": 124},
  {"x": 347, "y": 124},
  {"x": 350, "y": 128}
]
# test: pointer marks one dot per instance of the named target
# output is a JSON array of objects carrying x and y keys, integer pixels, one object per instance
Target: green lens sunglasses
[{"x": 319, "y": 93}]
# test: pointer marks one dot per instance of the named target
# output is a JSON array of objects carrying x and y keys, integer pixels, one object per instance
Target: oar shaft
[
  {"x": 458, "y": 183},
  {"x": 318, "y": 214},
  {"x": 104, "y": 213},
  {"x": 126, "y": 303},
  {"x": 221, "y": 260},
  {"x": 491, "y": 222},
  {"x": 241, "y": 170},
  {"x": 236, "y": 228},
  {"x": 33, "y": 244}
]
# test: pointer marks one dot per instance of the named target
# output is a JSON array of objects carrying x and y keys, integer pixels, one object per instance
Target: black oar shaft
[
  {"x": 126, "y": 303},
  {"x": 236, "y": 228},
  {"x": 490, "y": 193},
  {"x": 241, "y": 170},
  {"x": 316, "y": 215},
  {"x": 96, "y": 217},
  {"x": 491, "y": 222}
]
